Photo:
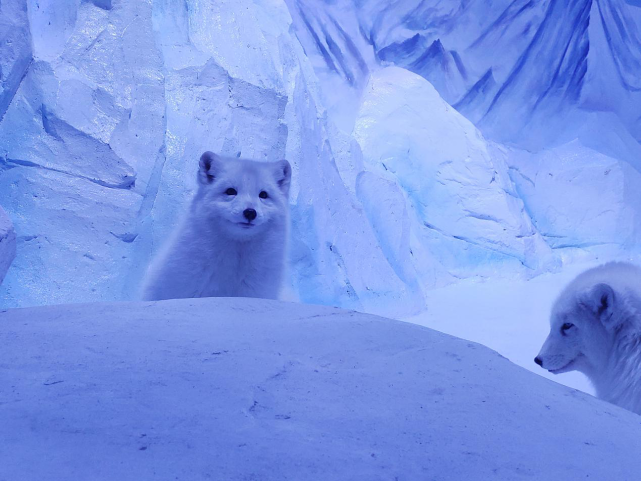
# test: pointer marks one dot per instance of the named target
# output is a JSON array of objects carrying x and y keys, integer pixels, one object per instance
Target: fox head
[
  {"x": 243, "y": 197},
  {"x": 583, "y": 326}
]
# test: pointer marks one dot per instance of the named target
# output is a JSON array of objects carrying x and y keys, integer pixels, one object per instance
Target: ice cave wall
[
  {"x": 105, "y": 107},
  {"x": 7, "y": 244}
]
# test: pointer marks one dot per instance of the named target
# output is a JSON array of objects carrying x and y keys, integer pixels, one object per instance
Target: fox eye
[
  {"x": 566, "y": 326},
  {"x": 231, "y": 191},
  {"x": 263, "y": 194}
]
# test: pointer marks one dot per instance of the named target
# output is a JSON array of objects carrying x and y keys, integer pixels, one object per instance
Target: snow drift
[{"x": 240, "y": 389}]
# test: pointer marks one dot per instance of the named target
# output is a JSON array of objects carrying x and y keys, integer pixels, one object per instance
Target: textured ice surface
[
  {"x": 7, "y": 244},
  {"x": 464, "y": 208},
  {"x": 240, "y": 389},
  {"x": 598, "y": 198},
  {"x": 105, "y": 107},
  {"x": 15, "y": 50},
  {"x": 526, "y": 71}
]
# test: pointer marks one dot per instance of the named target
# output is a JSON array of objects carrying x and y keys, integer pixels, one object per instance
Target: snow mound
[
  {"x": 253, "y": 389},
  {"x": 7, "y": 244}
]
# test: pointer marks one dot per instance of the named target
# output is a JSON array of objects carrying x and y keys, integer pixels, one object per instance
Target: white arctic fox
[
  {"x": 232, "y": 241},
  {"x": 596, "y": 329}
]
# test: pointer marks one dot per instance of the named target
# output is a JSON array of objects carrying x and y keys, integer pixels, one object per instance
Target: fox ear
[
  {"x": 600, "y": 300},
  {"x": 283, "y": 175},
  {"x": 208, "y": 167}
]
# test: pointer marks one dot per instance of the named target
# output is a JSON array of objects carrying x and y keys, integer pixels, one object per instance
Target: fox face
[
  {"x": 582, "y": 329},
  {"x": 563, "y": 348},
  {"x": 243, "y": 197}
]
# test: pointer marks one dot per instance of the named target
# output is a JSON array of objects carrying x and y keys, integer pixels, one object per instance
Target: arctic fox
[
  {"x": 596, "y": 330},
  {"x": 232, "y": 241}
]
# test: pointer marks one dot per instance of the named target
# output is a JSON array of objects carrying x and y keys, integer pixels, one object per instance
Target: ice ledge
[
  {"x": 252, "y": 389},
  {"x": 7, "y": 244}
]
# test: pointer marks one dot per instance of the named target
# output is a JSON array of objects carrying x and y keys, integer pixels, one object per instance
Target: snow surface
[
  {"x": 253, "y": 389},
  {"x": 7, "y": 244},
  {"x": 511, "y": 316},
  {"x": 105, "y": 107}
]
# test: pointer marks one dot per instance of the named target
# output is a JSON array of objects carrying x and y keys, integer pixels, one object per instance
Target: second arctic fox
[
  {"x": 595, "y": 328},
  {"x": 232, "y": 241}
]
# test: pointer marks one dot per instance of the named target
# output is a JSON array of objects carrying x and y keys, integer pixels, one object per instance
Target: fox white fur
[
  {"x": 219, "y": 250},
  {"x": 595, "y": 328}
]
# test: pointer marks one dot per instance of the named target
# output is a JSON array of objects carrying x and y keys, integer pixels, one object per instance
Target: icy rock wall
[
  {"x": 464, "y": 209},
  {"x": 540, "y": 75},
  {"x": 109, "y": 104},
  {"x": 15, "y": 50},
  {"x": 7, "y": 244},
  {"x": 77, "y": 147},
  {"x": 525, "y": 72},
  {"x": 99, "y": 147},
  {"x": 580, "y": 199},
  {"x": 266, "y": 105}
]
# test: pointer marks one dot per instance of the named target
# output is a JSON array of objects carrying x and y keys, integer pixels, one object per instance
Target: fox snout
[{"x": 249, "y": 214}]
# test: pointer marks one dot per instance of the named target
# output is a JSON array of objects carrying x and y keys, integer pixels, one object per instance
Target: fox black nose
[
  {"x": 250, "y": 214},
  {"x": 538, "y": 360}
]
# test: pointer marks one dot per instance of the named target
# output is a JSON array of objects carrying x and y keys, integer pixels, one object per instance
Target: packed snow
[
  {"x": 253, "y": 389},
  {"x": 510, "y": 316}
]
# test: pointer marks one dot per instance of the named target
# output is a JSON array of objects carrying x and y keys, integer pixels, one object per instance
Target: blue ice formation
[
  {"x": 406, "y": 125},
  {"x": 528, "y": 60}
]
